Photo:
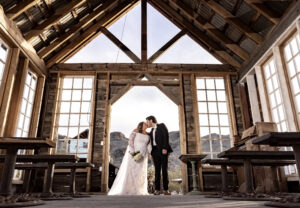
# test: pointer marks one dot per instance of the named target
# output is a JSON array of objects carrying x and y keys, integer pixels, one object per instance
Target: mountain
[{"x": 118, "y": 145}]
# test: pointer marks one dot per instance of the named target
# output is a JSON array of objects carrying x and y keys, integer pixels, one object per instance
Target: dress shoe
[
  {"x": 156, "y": 192},
  {"x": 166, "y": 192}
]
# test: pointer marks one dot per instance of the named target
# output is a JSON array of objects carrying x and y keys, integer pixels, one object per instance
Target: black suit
[{"x": 160, "y": 160}]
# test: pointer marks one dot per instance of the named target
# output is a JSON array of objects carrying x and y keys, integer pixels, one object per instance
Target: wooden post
[
  {"x": 248, "y": 176},
  {"x": 197, "y": 132},
  {"x": 182, "y": 132},
  {"x": 16, "y": 100},
  {"x": 262, "y": 94},
  {"x": 144, "y": 32},
  {"x": 106, "y": 142},
  {"x": 9, "y": 83},
  {"x": 224, "y": 178},
  {"x": 229, "y": 95},
  {"x": 245, "y": 108},
  {"x": 255, "y": 110}
]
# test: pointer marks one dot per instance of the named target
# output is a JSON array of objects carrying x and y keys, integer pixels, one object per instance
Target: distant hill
[{"x": 118, "y": 144}]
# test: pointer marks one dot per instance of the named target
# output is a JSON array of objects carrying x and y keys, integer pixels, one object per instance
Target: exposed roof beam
[
  {"x": 231, "y": 19},
  {"x": 212, "y": 30},
  {"x": 264, "y": 10},
  {"x": 61, "y": 12},
  {"x": 165, "y": 47},
  {"x": 90, "y": 32},
  {"x": 121, "y": 45},
  {"x": 195, "y": 33},
  {"x": 139, "y": 68},
  {"x": 9, "y": 30},
  {"x": 76, "y": 28},
  {"x": 20, "y": 8},
  {"x": 288, "y": 18}
]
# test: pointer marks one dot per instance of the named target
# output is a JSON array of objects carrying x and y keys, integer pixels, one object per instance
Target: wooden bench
[
  {"x": 59, "y": 165},
  {"x": 236, "y": 162},
  {"x": 282, "y": 139},
  {"x": 50, "y": 160},
  {"x": 247, "y": 156},
  {"x": 12, "y": 145}
]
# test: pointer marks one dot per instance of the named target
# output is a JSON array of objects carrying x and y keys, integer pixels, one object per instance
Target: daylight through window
[
  {"x": 292, "y": 60},
  {"x": 25, "y": 114},
  {"x": 73, "y": 124},
  {"x": 3, "y": 57},
  {"x": 213, "y": 116}
]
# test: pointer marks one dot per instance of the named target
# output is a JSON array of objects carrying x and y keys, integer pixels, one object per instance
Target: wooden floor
[{"x": 152, "y": 201}]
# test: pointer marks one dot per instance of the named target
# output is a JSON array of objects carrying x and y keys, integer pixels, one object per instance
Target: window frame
[
  {"x": 58, "y": 95},
  {"x": 6, "y": 68},
  {"x": 289, "y": 78},
  {"x": 230, "y": 109}
]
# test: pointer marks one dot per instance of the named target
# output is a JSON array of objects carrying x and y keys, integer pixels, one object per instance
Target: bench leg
[
  {"x": 296, "y": 149},
  {"x": 49, "y": 179},
  {"x": 8, "y": 171},
  {"x": 248, "y": 176},
  {"x": 224, "y": 178},
  {"x": 72, "y": 189},
  {"x": 275, "y": 176},
  {"x": 26, "y": 181}
]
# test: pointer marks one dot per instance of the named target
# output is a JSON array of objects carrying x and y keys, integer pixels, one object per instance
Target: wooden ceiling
[{"x": 231, "y": 30}]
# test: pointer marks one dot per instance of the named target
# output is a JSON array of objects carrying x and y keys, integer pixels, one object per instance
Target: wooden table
[
  {"x": 193, "y": 158},
  {"x": 12, "y": 145},
  {"x": 283, "y": 139},
  {"x": 248, "y": 155}
]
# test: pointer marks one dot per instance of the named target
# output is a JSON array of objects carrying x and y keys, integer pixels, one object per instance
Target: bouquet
[{"x": 137, "y": 156}]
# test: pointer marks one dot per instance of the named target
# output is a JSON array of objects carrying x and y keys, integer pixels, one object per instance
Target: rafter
[
  {"x": 20, "y": 8},
  {"x": 165, "y": 47},
  {"x": 61, "y": 12},
  {"x": 264, "y": 10},
  {"x": 121, "y": 45},
  {"x": 231, "y": 19},
  {"x": 91, "y": 31},
  {"x": 290, "y": 16},
  {"x": 195, "y": 33},
  {"x": 212, "y": 30},
  {"x": 76, "y": 28}
]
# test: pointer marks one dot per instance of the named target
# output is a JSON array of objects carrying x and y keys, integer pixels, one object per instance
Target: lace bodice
[{"x": 139, "y": 142}]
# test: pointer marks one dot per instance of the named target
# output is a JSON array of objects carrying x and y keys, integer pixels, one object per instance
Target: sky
[{"x": 140, "y": 102}]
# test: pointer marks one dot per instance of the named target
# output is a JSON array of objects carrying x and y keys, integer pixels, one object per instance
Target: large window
[
  {"x": 24, "y": 117},
  {"x": 3, "y": 57},
  {"x": 274, "y": 94},
  {"x": 27, "y": 105},
  {"x": 276, "y": 102},
  {"x": 213, "y": 116},
  {"x": 292, "y": 61},
  {"x": 73, "y": 120}
]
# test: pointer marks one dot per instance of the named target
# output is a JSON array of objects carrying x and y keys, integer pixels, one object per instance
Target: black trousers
[{"x": 160, "y": 165}]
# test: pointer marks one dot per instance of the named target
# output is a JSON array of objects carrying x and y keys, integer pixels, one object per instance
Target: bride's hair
[{"x": 140, "y": 127}]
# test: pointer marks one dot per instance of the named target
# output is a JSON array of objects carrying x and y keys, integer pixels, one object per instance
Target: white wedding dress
[{"x": 132, "y": 176}]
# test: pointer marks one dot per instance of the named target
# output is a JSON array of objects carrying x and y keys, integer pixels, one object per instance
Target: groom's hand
[{"x": 164, "y": 151}]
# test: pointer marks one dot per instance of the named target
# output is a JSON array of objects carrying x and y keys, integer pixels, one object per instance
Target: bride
[{"x": 132, "y": 175}]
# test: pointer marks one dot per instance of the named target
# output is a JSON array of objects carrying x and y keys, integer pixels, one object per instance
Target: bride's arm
[
  {"x": 149, "y": 147},
  {"x": 131, "y": 142}
]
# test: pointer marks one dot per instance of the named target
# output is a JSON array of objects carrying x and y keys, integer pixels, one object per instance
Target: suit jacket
[{"x": 161, "y": 137}]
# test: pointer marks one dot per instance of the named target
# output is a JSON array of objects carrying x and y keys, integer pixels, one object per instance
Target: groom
[{"x": 159, "y": 137}]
